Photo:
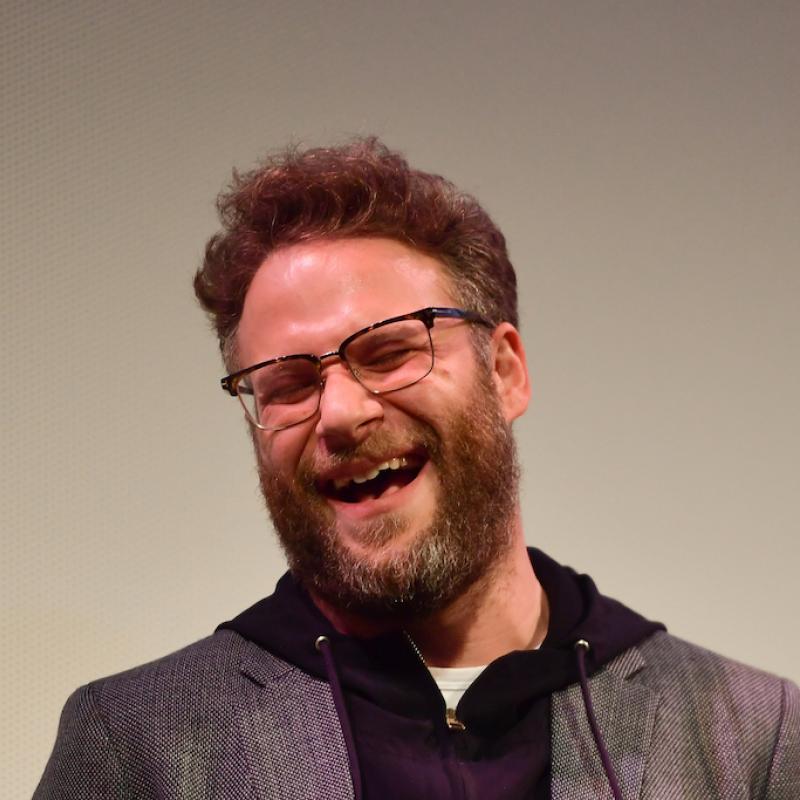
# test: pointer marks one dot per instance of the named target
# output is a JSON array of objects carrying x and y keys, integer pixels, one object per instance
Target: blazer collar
[
  {"x": 625, "y": 712},
  {"x": 290, "y": 731}
]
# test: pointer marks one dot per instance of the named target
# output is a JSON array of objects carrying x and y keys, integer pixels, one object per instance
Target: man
[{"x": 367, "y": 315}]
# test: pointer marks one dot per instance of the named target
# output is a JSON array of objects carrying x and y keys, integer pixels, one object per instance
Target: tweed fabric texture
[
  {"x": 225, "y": 719},
  {"x": 218, "y": 719},
  {"x": 681, "y": 723},
  {"x": 723, "y": 729}
]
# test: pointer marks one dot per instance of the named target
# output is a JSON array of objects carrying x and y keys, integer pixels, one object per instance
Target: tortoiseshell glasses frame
[{"x": 384, "y": 357}]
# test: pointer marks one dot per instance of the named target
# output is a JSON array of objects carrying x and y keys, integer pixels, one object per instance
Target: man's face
[{"x": 412, "y": 539}]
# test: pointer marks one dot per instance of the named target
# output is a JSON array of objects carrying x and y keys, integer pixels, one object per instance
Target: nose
[{"x": 348, "y": 413}]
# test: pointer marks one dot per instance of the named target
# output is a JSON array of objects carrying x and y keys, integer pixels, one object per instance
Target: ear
[{"x": 510, "y": 370}]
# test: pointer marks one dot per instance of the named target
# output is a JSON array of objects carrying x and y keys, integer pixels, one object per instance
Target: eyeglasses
[{"x": 385, "y": 357}]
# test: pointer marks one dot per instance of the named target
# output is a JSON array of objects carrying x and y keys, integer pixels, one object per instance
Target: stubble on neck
[{"x": 505, "y": 610}]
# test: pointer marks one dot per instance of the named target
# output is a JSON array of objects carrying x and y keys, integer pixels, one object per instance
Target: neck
[{"x": 504, "y": 611}]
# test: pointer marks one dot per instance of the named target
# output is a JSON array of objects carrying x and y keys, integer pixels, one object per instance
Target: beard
[{"x": 472, "y": 528}]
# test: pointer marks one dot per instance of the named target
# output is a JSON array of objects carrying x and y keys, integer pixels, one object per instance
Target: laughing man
[{"x": 367, "y": 316}]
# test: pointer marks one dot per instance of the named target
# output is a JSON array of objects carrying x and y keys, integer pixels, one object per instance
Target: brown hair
[{"x": 359, "y": 189}]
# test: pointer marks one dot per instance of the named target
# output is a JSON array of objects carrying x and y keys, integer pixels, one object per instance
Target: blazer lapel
[
  {"x": 290, "y": 732},
  {"x": 625, "y": 713}
]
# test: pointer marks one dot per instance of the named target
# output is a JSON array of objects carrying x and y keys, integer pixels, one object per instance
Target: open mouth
[{"x": 381, "y": 480}]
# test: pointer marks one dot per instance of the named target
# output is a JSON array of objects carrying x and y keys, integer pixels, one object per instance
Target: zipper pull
[{"x": 453, "y": 722}]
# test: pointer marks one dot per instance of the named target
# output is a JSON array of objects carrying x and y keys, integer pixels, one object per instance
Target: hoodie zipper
[{"x": 450, "y": 719}]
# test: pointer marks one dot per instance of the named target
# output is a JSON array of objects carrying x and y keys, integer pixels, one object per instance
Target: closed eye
[
  {"x": 387, "y": 359},
  {"x": 286, "y": 393}
]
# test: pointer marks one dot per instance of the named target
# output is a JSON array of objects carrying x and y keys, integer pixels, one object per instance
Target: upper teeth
[{"x": 392, "y": 463}]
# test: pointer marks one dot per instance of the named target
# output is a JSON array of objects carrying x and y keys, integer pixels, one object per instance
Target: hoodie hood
[{"x": 387, "y": 670}]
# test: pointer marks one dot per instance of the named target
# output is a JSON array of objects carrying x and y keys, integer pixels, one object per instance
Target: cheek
[
  {"x": 442, "y": 393},
  {"x": 281, "y": 452},
  {"x": 424, "y": 404},
  {"x": 456, "y": 370}
]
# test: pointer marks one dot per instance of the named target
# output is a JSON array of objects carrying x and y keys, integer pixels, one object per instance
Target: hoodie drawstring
[
  {"x": 582, "y": 648},
  {"x": 323, "y": 645}
]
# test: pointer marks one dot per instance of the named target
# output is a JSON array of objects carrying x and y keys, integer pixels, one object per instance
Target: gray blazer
[{"x": 225, "y": 719}]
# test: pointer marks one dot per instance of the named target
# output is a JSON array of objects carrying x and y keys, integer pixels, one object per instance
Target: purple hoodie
[{"x": 393, "y": 715}]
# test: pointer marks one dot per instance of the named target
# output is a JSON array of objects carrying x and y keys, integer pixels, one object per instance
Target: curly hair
[{"x": 359, "y": 189}]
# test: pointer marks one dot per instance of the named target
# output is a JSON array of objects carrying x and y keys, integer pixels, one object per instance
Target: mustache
[{"x": 380, "y": 446}]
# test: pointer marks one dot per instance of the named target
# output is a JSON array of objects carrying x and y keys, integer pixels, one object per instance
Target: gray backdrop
[{"x": 642, "y": 158}]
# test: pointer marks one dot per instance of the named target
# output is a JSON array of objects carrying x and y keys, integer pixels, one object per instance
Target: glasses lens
[
  {"x": 281, "y": 394},
  {"x": 391, "y": 356}
]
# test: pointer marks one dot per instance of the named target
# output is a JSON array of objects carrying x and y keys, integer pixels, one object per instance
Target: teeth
[
  {"x": 392, "y": 463},
  {"x": 368, "y": 476}
]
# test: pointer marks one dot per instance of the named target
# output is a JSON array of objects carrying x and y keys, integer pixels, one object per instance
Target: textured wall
[{"x": 642, "y": 158}]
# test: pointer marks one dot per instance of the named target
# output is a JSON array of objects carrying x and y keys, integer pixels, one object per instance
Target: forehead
[{"x": 310, "y": 296}]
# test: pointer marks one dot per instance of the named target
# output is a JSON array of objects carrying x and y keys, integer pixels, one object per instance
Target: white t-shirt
[{"x": 454, "y": 681}]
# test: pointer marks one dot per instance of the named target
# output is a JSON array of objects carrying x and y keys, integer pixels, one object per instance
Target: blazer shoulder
[
  {"x": 121, "y": 735},
  {"x": 191, "y": 683},
  {"x": 674, "y": 662},
  {"x": 730, "y": 712},
  {"x": 203, "y": 660}
]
